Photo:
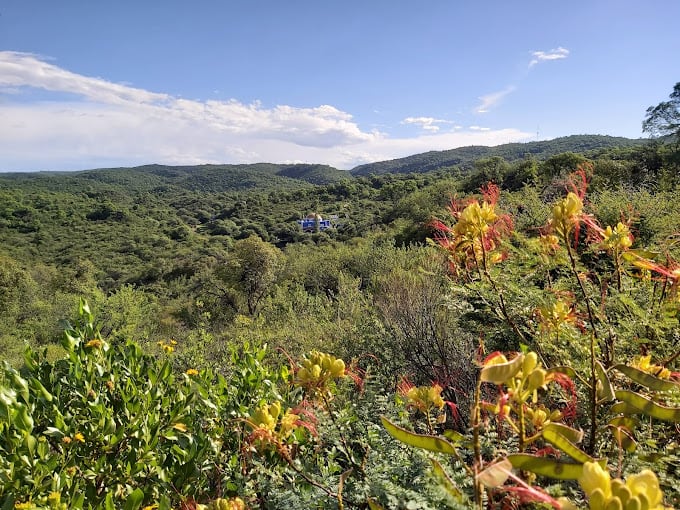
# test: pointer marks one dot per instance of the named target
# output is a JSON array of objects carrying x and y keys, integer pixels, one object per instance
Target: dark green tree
[
  {"x": 254, "y": 268},
  {"x": 664, "y": 118}
]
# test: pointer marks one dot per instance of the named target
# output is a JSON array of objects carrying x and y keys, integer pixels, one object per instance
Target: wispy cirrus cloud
[
  {"x": 427, "y": 123},
  {"x": 488, "y": 101},
  {"x": 82, "y": 122},
  {"x": 544, "y": 56}
]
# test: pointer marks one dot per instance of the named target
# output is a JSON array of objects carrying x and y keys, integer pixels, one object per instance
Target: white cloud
[
  {"x": 426, "y": 123},
  {"x": 543, "y": 56},
  {"x": 85, "y": 122},
  {"x": 490, "y": 100}
]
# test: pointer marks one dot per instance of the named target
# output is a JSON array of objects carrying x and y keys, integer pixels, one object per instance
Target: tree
[
  {"x": 664, "y": 118},
  {"x": 254, "y": 267}
]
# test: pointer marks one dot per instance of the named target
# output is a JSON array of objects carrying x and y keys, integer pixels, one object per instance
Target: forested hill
[
  {"x": 206, "y": 178},
  {"x": 268, "y": 176},
  {"x": 464, "y": 157}
]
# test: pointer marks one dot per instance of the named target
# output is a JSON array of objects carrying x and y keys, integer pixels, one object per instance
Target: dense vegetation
[{"x": 207, "y": 362}]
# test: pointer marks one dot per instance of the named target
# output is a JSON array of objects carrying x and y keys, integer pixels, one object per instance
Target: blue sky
[{"x": 87, "y": 83}]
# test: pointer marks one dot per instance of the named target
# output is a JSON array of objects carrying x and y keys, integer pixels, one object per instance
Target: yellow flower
[
  {"x": 288, "y": 423},
  {"x": 645, "y": 364},
  {"x": 94, "y": 343},
  {"x": 192, "y": 371},
  {"x": 236, "y": 504},
  {"x": 617, "y": 238},
  {"x": 639, "y": 491},
  {"x": 180, "y": 426},
  {"x": 425, "y": 398},
  {"x": 150, "y": 507},
  {"x": 266, "y": 416},
  {"x": 566, "y": 213},
  {"x": 26, "y": 505},
  {"x": 646, "y": 484},
  {"x": 475, "y": 220},
  {"x": 318, "y": 368},
  {"x": 594, "y": 477},
  {"x": 79, "y": 437}
]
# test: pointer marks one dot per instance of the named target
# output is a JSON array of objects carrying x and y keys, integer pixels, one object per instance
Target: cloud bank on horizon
[{"x": 54, "y": 119}]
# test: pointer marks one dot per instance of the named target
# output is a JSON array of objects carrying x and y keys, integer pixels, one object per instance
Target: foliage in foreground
[{"x": 110, "y": 426}]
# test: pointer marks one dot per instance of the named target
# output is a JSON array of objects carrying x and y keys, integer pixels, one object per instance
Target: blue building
[{"x": 314, "y": 223}]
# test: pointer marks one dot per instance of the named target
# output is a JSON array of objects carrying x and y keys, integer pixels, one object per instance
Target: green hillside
[
  {"x": 227, "y": 359},
  {"x": 464, "y": 157}
]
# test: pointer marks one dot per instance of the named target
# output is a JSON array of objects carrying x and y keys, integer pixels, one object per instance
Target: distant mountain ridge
[
  {"x": 464, "y": 157},
  {"x": 272, "y": 176},
  {"x": 207, "y": 178}
]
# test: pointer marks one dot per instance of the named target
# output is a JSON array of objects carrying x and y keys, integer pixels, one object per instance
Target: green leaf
[
  {"x": 373, "y": 505},
  {"x": 643, "y": 405},
  {"x": 445, "y": 481},
  {"x": 134, "y": 500},
  {"x": 454, "y": 436},
  {"x": 20, "y": 385},
  {"x": 23, "y": 420},
  {"x": 573, "y": 435},
  {"x": 430, "y": 443},
  {"x": 38, "y": 387},
  {"x": 494, "y": 475},
  {"x": 645, "y": 379},
  {"x": 624, "y": 408},
  {"x": 622, "y": 430},
  {"x": 501, "y": 372},
  {"x": 108, "y": 502},
  {"x": 554, "y": 436},
  {"x": 77, "y": 502},
  {"x": 605, "y": 392},
  {"x": 545, "y": 466},
  {"x": 9, "y": 503},
  {"x": 562, "y": 369}
]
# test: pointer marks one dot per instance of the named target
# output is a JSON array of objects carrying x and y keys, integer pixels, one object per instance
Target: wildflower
[
  {"x": 595, "y": 478},
  {"x": 224, "y": 504},
  {"x": 568, "y": 215},
  {"x": 180, "y": 426},
  {"x": 95, "y": 343},
  {"x": 423, "y": 398},
  {"x": 552, "y": 317},
  {"x": 271, "y": 426},
  {"x": 549, "y": 243},
  {"x": 641, "y": 490},
  {"x": 318, "y": 369},
  {"x": 289, "y": 422},
  {"x": 644, "y": 363},
  {"x": 151, "y": 507},
  {"x": 167, "y": 347},
  {"x": 266, "y": 416},
  {"x": 66, "y": 440},
  {"x": 191, "y": 371},
  {"x": 79, "y": 437},
  {"x": 26, "y": 505},
  {"x": 617, "y": 239},
  {"x": 477, "y": 232},
  {"x": 646, "y": 484}
]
